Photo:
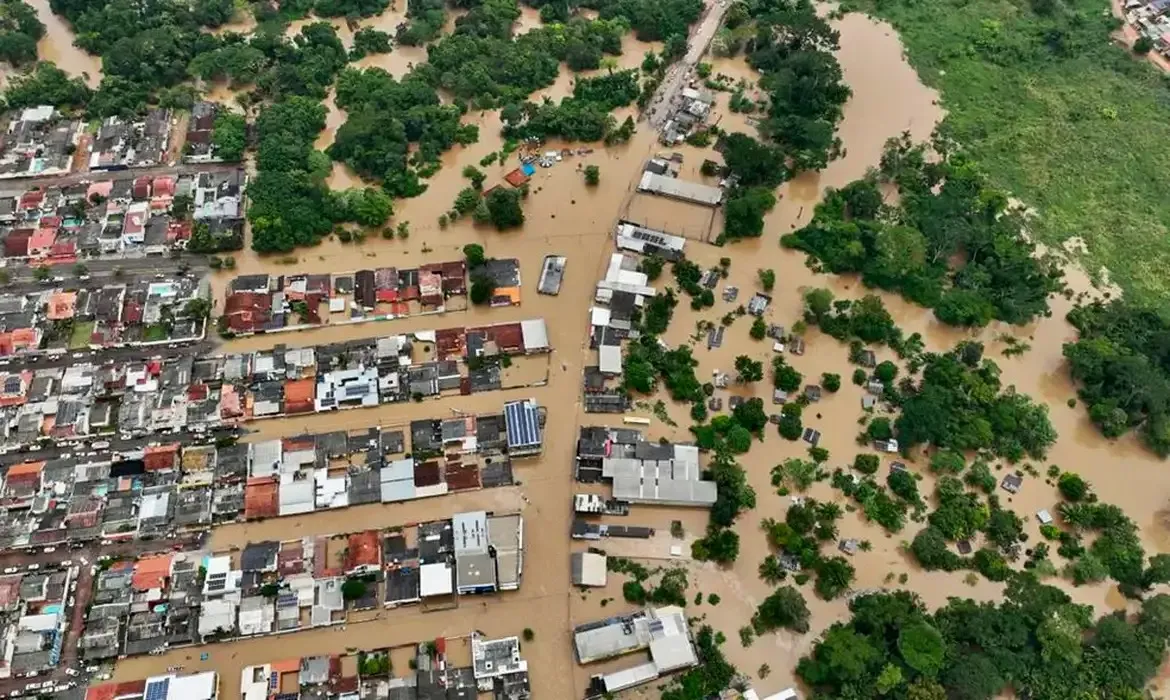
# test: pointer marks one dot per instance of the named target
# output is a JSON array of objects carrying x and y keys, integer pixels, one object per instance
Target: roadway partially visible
[{"x": 679, "y": 73}]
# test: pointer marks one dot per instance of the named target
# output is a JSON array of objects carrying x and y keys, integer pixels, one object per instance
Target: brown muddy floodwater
[
  {"x": 57, "y": 46},
  {"x": 566, "y": 217}
]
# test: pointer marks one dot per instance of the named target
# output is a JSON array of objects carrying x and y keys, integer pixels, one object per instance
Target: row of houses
[
  {"x": 35, "y": 606},
  {"x": 134, "y": 398},
  {"x": 140, "y": 312},
  {"x": 164, "y": 489},
  {"x": 171, "y": 686},
  {"x": 497, "y": 668},
  {"x": 118, "y": 216},
  {"x": 174, "y": 599},
  {"x": 270, "y": 303}
]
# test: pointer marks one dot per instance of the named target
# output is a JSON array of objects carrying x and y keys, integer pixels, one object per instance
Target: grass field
[
  {"x": 1059, "y": 117},
  {"x": 79, "y": 337}
]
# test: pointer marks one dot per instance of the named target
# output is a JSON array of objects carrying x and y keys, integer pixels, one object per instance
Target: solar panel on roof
[
  {"x": 523, "y": 424},
  {"x": 158, "y": 690}
]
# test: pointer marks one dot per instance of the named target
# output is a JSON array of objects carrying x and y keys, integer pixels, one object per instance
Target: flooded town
[{"x": 668, "y": 349}]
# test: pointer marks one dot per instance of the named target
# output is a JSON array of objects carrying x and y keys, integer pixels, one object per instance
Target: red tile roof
[{"x": 363, "y": 550}]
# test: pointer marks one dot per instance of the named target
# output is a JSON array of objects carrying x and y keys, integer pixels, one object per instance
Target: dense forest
[
  {"x": 20, "y": 29},
  {"x": 1121, "y": 361},
  {"x": 952, "y": 243},
  {"x": 1035, "y": 641}
]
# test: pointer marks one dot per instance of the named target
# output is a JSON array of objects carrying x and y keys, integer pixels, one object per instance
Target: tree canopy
[
  {"x": 1035, "y": 640},
  {"x": 946, "y": 209}
]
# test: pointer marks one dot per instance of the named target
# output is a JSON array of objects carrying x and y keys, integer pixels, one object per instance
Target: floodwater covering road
[{"x": 565, "y": 216}]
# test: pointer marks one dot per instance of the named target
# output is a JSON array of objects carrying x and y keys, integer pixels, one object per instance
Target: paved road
[{"x": 679, "y": 73}]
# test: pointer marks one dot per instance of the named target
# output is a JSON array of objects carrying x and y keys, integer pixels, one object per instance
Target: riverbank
[{"x": 1060, "y": 117}]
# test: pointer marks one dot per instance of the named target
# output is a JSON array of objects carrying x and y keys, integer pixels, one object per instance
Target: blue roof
[{"x": 522, "y": 421}]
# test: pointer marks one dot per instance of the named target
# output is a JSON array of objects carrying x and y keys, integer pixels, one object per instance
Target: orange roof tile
[{"x": 151, "y": 572}]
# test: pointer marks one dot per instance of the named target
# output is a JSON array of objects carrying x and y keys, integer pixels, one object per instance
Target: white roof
[
  {"x": 672, "y": 652},
  {"x": 534, "y": 334},
  {"x": 694, "y": 192},
  {"x": 598, "y": 316},
  {"x": 592, "y": 569},
  {"x": 435, "y": 579},
  {"x": 197, "y": 686},
  {"x": 265, "y": 457},
  {"x": 470, "y": 533},
  {"x": 786, "y": 694},
  {"x": 609, "y": 359},
  {"x": 153, "y": 505},
  {"x": 296, "y": 497},
  {"x": 254, "y": 682}
]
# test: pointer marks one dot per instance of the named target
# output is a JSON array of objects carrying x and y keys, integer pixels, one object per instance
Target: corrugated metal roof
[{"x": 522, "y": 421}]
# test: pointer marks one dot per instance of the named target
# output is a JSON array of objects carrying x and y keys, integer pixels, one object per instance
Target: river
[{"x": 564, "y": 216}]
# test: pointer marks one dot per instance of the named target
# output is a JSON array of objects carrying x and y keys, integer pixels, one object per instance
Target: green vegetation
[
  {"x": 229, "y": 136},
  {"x": 1013, "y": 73},
  {"x": 46, "y": 84},
  {"x": 792, "y": 48},
  {"x": 386, "y": 117},
  {"x": 962, "y": 408},
  {"x": 592, "y": 175},
  {"x": 946, "y": 208},
  {"x": 865, "y": 319},
  {"x": 1036, "y": 640},
  {"x": 19, "y": 32},
  {"x": 786, "y": 608},
  {"x": 583, "y": 117},
  {"x": 1123, "y": 368},
  {"x": 290, "y": 203},
  {"x": 368, "y": 41}
]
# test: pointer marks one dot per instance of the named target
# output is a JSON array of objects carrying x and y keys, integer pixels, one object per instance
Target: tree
[
  {"x": 748, "y": 370},
  {"x": 592, "y": 175},
  {"x": 767, "y": 279},
  {"x": 947, "y": 462},
  {"x": 529, "y": 635},
  {"x": 866, "y": 463},
  {"x": 922, "y": 647},
  {"x": 973, "y": 677},
  {"x": 504, "y": 208},
  {"x": 369, "y": 206},
  {"x": 739, "y": 440},
  {"x": 759, "y": 329},
  {"x": 42, "y": 273},
  {"x": 474, "y": 254},
  {"x": 784, "y": 376},
  {"x": 229, "y": 136},
  {"x": 1143, "y": 45},
  {"x": 831, "y": 382},
  {"x": 786, "y": 608},
  {"x": 833, "y": 577},
  {"x": 475, "y": 175},
  {"x": 885, "y": 372},
  {"x": 482, "y": 289},
  {"x": 353, "y": 589},
  {"x": 1072, "y": 487},
  {"x": 744, "y": 210},
  {"x": 80, "y": 270}
]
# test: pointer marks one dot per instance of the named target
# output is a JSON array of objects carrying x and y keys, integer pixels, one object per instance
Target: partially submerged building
[{"x": 663, "y": 632}]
